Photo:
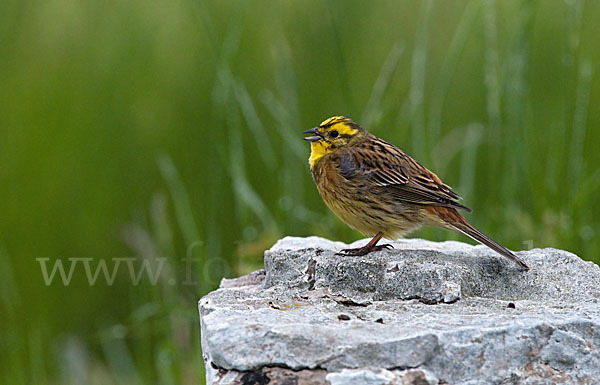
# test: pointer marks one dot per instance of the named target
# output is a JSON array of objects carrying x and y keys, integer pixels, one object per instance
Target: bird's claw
[{"x": 360, "y": 251}]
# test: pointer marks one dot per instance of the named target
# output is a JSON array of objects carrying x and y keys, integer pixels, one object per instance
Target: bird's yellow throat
[{"x": 317, "y": 151}]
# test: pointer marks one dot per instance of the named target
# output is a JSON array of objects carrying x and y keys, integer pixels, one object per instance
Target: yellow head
[{"x": 331, "y": 135}]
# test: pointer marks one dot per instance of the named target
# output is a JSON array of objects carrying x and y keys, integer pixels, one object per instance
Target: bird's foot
[{"x": 360, "y": 251}]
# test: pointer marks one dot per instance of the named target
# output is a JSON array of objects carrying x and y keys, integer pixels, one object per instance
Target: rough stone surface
[{"x": 423, "y": 313}]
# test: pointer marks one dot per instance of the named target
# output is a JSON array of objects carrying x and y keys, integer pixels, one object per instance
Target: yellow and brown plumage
[{"x": 379, "y": 190}]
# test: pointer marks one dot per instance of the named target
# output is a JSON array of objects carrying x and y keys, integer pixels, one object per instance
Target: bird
[{"x": 379, "y": 190}]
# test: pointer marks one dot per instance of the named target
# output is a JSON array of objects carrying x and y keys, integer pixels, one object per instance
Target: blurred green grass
[{"x": 172, "y": 129}]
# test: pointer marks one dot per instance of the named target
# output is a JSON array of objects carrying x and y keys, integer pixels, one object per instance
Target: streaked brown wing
[{"x": 388, "y": 166}]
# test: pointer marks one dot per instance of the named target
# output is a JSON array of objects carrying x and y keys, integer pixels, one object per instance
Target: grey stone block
[{"x": 422, "y": 313}]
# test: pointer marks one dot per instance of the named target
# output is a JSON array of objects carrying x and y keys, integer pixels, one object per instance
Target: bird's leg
[{"x": 368, "y": 248}]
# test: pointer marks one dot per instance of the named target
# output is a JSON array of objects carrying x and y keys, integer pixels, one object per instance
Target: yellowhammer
[{"x": 379, "y": 190}]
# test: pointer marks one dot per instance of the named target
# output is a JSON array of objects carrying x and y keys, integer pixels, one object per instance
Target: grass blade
[{"x": 372, "y": 111}]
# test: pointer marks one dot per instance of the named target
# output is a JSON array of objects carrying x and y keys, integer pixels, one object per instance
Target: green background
[{"x": 165, "y": 129}]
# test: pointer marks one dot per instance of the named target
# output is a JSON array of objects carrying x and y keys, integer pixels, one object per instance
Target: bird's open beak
[{"x": 313, "y": 138}]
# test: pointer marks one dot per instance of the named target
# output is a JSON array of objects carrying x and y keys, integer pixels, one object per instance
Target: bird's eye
[{"x": 333, "y": 134}]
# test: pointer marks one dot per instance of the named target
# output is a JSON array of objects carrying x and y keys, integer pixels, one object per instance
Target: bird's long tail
[{"x": 456, "y": 222}]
